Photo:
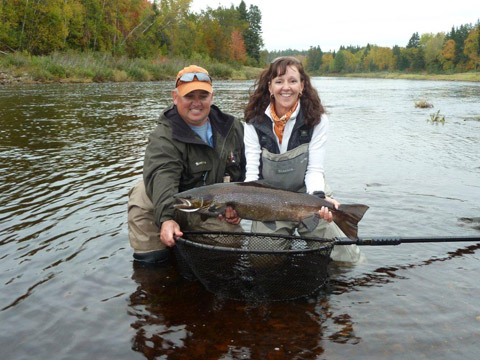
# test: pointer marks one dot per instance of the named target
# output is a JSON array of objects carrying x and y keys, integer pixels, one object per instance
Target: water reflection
[
  {"x": 342, "y": 283},
  {"x": 179, "y": 319}
]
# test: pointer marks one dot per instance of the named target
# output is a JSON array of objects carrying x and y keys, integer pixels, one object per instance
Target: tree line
[
  {"x": 455, "y": 51},
  {"x": 159, "y": 29},
  {"x": 133, "y": 28}
]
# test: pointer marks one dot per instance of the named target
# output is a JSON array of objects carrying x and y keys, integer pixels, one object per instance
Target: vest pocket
[
  {"x": 197, "y": 174},
  {"x": 232, "y": 167}
]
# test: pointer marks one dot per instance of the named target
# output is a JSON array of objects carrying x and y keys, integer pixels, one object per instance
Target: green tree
[
  {"x": 414, "y": 41},
  {"x": 171, "y": 29},
  {"x": 242, "y": 11},
  {"x": 459, "y": 35},
  {"x": 253, "y": 35},
  {"x": 328, "y": 63},
  {"x": 397, "y": 57},
  {"x": 433, "y": 47},
  {"x": 9, "y": 29},
  {"x": 314, "y": 59},
  {"x": 76, "y": 24},
  {"x": 43, "y": 27},
  {"x": 415, "y": 59},
  {"x": 382, "y": 58},
  {"x": 339, "y": 62},
  {"x": 352, "y": 60}
]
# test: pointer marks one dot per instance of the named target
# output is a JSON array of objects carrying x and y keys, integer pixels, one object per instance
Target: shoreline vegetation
[{"x": 95, "y": 67}]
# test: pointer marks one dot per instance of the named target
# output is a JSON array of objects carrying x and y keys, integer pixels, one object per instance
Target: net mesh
[{"x": 253, "y": 266}]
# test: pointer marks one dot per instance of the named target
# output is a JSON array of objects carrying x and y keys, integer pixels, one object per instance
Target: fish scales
[{"x": 266, "y": 204}]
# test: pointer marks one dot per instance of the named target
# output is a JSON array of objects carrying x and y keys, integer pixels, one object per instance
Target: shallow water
[{"x": 69, "y": 287}]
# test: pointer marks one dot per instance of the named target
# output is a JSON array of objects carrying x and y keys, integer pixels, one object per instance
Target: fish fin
[
  {"x": 319, "y": 194},
  {"x": 347, "y": 218},
  {"x": 258, "y": 183},
  {"x": 311, "y": 223},
  {"x": 216, "y": 209},
  {"x": 270, "y": 224}
]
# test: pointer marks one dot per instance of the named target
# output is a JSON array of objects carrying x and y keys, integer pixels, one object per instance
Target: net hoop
[{"x": 255, "y": 266}]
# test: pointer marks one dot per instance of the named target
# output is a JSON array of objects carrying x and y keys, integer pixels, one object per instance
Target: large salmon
[{"x": 255, "y": 201}]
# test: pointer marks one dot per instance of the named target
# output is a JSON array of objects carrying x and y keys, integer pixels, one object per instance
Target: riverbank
[
  {"x": 23, "y": 76},
  {"x": 466, "y": 76},
  {"x": 73, "y": 67}
]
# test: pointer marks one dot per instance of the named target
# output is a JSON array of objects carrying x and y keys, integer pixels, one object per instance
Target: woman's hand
[
  {"x": 325, "y": 213},
  {"x": 230, "y": 216}
]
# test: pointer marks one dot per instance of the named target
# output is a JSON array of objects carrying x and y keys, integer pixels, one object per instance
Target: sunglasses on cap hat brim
[{"x": 189, "y": 77}]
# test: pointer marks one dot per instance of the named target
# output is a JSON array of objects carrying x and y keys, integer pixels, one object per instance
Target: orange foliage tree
[
  {"x": 472, "y": 48},
  {"x": 237, "y": 47},
  {"x": 448, "y": 55}
]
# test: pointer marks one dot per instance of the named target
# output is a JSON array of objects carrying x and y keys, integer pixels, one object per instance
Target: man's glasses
[{"x": 189, "y": 77}]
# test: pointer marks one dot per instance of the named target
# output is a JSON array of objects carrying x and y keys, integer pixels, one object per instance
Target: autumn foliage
[
  {"x": 136, "y": 28},
  {"x": 458, "y": 50}
]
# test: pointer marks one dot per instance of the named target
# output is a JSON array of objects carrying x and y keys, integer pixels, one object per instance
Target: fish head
[{"x": 189, "y": 203}]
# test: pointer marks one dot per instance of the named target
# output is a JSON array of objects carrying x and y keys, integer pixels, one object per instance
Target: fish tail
[{"x": 347, "y": 218}]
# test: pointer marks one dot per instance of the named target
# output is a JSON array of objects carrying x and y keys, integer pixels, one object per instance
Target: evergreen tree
[
  {"x": 242, "y": 11},
  {"x": 397, "y": 57},
  {"x": 460, "y": 35},
  {"x": 414, "y": 41},
  {"x": 314, "y": 59},
  {"x": 253, "y": 35},
  {"x": 339, "y": 62}
]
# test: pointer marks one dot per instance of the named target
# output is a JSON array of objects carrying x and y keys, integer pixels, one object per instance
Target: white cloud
[{"x": 300, "y": 24}]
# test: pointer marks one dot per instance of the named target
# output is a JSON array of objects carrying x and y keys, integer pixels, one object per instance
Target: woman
[{"x": 285, "y": 137}]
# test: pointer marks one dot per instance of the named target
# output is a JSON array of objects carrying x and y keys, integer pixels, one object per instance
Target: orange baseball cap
[{"x": 190, "y": 78}]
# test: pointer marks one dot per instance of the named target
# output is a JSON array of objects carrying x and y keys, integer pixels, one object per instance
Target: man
[{"x": 194, "y": 144}]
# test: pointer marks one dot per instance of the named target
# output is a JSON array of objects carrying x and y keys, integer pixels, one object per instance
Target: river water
[{"x": 70, "y": 290}]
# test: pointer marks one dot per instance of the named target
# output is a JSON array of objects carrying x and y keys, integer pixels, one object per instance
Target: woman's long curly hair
[{"x": 311, "y": 106}]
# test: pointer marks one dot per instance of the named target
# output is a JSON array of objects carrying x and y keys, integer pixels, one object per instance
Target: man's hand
[
  {"x": 324, "y": 213},
  {"x": 169, "y": 229},
  {"x": 230, "y": 216}
]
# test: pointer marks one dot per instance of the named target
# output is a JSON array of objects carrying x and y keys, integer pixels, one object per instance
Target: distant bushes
[{"x": 220, "y": 71}]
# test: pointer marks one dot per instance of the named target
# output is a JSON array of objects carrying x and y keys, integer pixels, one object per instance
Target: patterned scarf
[{"x": 280, "y": 122}]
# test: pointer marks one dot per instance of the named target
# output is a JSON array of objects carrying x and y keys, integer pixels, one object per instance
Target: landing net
[{"x": 254, "y": 266}]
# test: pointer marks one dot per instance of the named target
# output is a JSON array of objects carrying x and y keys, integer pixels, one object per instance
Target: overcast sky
[{"x": 299, "y": 24}]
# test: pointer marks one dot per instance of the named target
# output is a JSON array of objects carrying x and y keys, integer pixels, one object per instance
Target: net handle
[
  {"x": 381, "y": 241},
  {"x": 363, "y": 241}
]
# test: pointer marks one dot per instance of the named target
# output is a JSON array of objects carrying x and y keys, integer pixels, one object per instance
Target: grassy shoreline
[
  {"x": 466, "y": 76},
  {"x": 74, "y": 67}
]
